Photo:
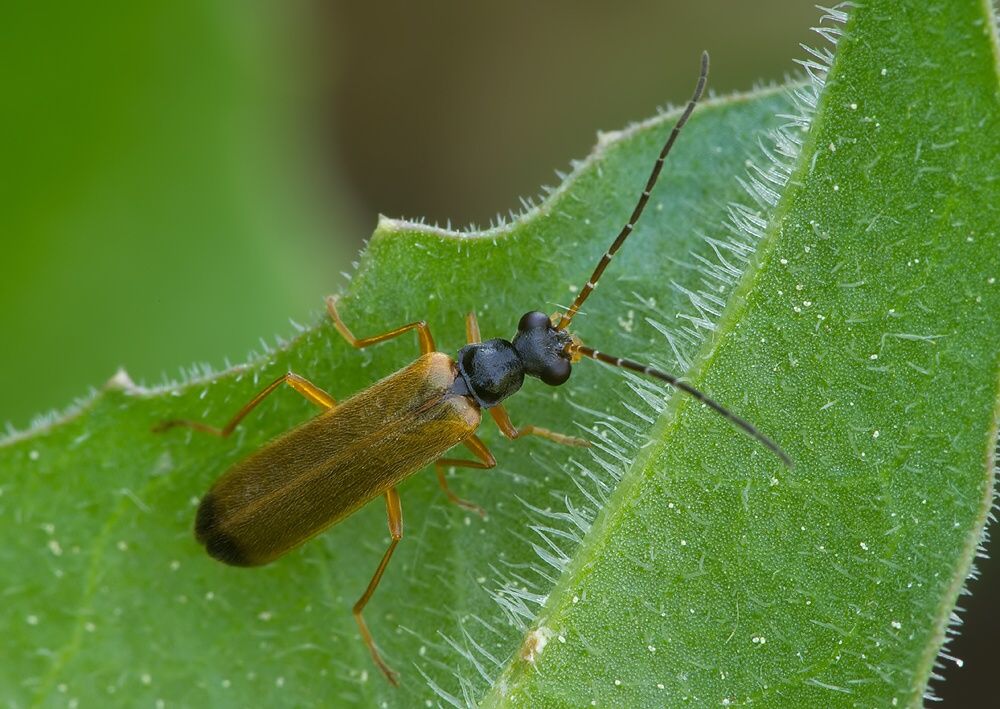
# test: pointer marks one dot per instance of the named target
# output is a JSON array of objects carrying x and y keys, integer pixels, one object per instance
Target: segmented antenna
[
  {"x": 643, "y": 198},
  {"x": 673, "y": 381}
]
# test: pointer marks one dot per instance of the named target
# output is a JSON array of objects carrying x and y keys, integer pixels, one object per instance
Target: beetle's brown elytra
[
  {"x": 361, "y": 448},
  {"x": 322, "y": 471}
]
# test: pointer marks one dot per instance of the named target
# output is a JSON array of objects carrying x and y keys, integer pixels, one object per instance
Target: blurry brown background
[{"x": 182, "y": 177}]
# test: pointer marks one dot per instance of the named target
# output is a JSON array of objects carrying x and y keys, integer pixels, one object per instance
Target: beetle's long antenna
[
  {"x": 673, "y": 381},
  {"x": 643, "y": 198}
]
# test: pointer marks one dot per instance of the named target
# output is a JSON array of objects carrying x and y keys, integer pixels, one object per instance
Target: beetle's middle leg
[
  {"x": 485, "y": 462},
  {"x": 499, "y": 414},
  {"x": 300, "y": 384},
  {"x": 423, "y": 331},
  {"x": 394, "y": 511}
]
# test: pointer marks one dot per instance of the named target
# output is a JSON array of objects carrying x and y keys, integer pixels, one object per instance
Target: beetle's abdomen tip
[
  {"x": 218, "y": 544},
  {"x": 222, "y": 547},
  {"x": 205, "y": 519}
]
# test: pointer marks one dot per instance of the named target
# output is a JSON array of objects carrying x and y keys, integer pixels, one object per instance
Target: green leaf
[
  {"x": 864, "y": 339},
  {"x": 110, "y": 595},
  {"x": 678, "y": 554}
]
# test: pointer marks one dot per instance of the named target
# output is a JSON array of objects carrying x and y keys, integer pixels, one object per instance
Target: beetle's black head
[
  {"x": 492, "y": 371},
  {"x": 542, "y": 348}
]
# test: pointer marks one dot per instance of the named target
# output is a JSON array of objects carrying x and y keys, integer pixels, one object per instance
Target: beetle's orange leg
[
  {"x": 300, "y": 384},
  {"x": 499, "y": 414},
  {"x": 395, "y": 513},
  {"x": 485, "y": 462},
  {"x": 423, "y": 332},
  {"x": 472, "y": 328}
]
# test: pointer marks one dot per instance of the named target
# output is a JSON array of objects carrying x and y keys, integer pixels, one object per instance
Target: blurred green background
[{"x": 182, "y": 178}]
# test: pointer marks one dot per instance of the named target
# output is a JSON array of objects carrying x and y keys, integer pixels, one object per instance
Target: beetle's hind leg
[
  {"x": 485, "y": 462},
  {"x": 423, "y": 331},
  {"x": 394, "y": 511},
  {"x": 300, "y": 384},
  {"x": 499, "y": 414}
]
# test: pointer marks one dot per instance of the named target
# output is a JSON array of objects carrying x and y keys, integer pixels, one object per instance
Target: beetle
[{"x": 321, "y": 472}]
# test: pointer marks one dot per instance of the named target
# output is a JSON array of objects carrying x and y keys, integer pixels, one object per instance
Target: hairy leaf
[
  {"x": 864, "y": 338},
  {"x": 676, "y": 560},
  {"x": 110, "y": 596}
]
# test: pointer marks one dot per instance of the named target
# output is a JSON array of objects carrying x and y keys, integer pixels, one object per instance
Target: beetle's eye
[
  {"x": 556, "y": 372},
  {"x": 534, "y": 321}
]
